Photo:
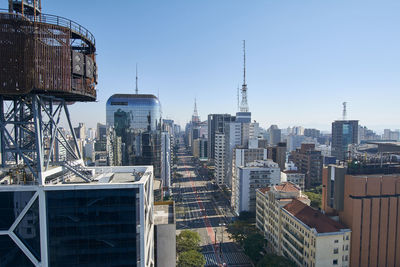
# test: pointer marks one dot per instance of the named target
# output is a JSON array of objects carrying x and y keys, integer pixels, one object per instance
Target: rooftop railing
[{"x": 59, "y": 21}]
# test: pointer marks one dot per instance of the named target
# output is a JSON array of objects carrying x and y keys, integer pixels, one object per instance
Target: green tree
[
  {"x": 271, "y": 260},
  {"x": 316, "y": 199},
  {"x": 191, "y": 258},
  {"x": 253, "y": 245},
  {"x": 187, "y": 240},
  {"x": 240, "y": 230}
]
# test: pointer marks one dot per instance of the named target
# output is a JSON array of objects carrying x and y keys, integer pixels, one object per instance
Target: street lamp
[
  {"x": 215, "y": 237},
  {"x": 222, "y": 236}
]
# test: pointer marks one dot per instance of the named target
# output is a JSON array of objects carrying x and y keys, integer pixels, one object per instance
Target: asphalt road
[{"x": 202, "y": 207}]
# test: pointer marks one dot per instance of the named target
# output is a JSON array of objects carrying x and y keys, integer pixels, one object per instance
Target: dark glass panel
[
  {"x": 28, "y": 230},
  {"x": 11, "y": 205},
  {"x": 92, "y": 227},
  {"x": 11, "y": 255}
]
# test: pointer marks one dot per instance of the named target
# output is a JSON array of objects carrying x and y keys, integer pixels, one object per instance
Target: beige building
[
  {"x": 297, "y": 231},
  {"x": 196, "y": 148}
]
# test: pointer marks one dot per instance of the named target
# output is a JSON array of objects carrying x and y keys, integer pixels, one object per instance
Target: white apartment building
[
  {"x": 166, "y": 159},
  {"x": 219, "y": 159},
  {"x": 299, "y": 232},
  {"x": 242, "y": 156},
  {"x": 254, "y": 130},
  {"x": 257, "y": 174}
]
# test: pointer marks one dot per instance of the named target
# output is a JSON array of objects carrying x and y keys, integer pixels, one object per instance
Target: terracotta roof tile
[
  {"x": 313, "y": 218},
  {"x": 287, "y": 187},
  {"x": 263, "y": 190}
]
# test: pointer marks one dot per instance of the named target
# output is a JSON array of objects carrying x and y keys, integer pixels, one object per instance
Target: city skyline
[{"x": 303, "y": 59}]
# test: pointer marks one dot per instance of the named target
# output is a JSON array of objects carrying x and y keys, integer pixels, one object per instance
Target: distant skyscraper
[
  {"x": 136, "y": 119},
  {"x": 216, "y": 124},
  {"x": 166, "y": 159},
  {"x": 274, "y": 135},
  {"x": 344, "y": 133}
]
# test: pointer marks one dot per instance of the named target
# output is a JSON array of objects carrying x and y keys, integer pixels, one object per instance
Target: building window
[
  {"x": 335, "y": 262},
  {"x": 335, "y": 251},
  {"x": 336, "y": 241}
]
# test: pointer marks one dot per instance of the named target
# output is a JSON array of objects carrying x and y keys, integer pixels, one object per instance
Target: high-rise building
[
  {"x": 101, "y": 133},
  {"x": 216, "y": 124},
  {"x": 274, "y": 135},
  {"x": 390, "y": 135},
  {"x": 106, "y": 221},
  {"x": 233, "y": 138},
  {"x": 277, "y": 153},
  {"x": 136, "y": 119},
  {"x": 366, "y": 198},
  {"x": 310, "y": 162},
  {"x": 241, "y": 157},
  {"x": 344, "y": 133},
  {"x": 257, "y": 174},
  {"x": 166, "y": 159},
  {"x": 219, "y": 158},
  {"x": 314, "y": 133}
]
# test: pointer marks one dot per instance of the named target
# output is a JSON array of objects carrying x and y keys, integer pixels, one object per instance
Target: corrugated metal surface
[{"x": 36, "y": 57}]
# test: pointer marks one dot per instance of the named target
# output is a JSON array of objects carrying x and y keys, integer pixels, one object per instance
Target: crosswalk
[
  {"x": 230, "y": 258},
  {"x": 211, "y": 260}
]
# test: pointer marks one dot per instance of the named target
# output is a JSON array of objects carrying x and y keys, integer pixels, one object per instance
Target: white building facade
[
  {"x": 219, "y": 159},
  {"x": 254, "y": 175}
]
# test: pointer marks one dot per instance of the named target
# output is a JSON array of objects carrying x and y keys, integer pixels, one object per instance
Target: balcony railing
[{"x": 59, "y": 21}]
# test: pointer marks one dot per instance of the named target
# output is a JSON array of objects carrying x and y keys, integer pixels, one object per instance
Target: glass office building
[
  {"x": 136, "y": 118},
  {"x": 344, "y": 133},
  {"x": 107, "y": 222}
]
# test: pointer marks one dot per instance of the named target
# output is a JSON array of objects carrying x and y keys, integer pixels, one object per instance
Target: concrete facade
[
  {"x": 372, "y": 211},
  {"x": 219, "y": 159},
  {"x": 344, "y": 133},
  {"x": 241, "y": 157},
  {"x": 297, "y": 231},
  {"x": 257, "y": 174},
  {"x": 310, "y": 162}
]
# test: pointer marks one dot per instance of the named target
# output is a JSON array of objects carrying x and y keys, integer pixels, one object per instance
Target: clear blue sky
[{"x": 304, "y": 58}]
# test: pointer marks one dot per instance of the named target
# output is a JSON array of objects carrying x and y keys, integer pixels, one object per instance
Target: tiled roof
[
  {"x": 264, "y": 190},
  {"x": 313, "y": 218},
  {"x": 287, "y": 187}
]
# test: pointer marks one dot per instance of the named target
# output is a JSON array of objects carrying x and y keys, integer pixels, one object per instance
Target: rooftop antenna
[
  {"x": 137, "y": 90},
  {"x": 344, "y": 111},
  {"x": 244, "y": 62},
  {"x": 195, "y": 116},
  {"x": 244, "y": 107}
]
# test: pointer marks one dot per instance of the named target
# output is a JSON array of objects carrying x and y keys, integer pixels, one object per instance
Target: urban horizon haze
[{"x": 303, "y": 58}]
